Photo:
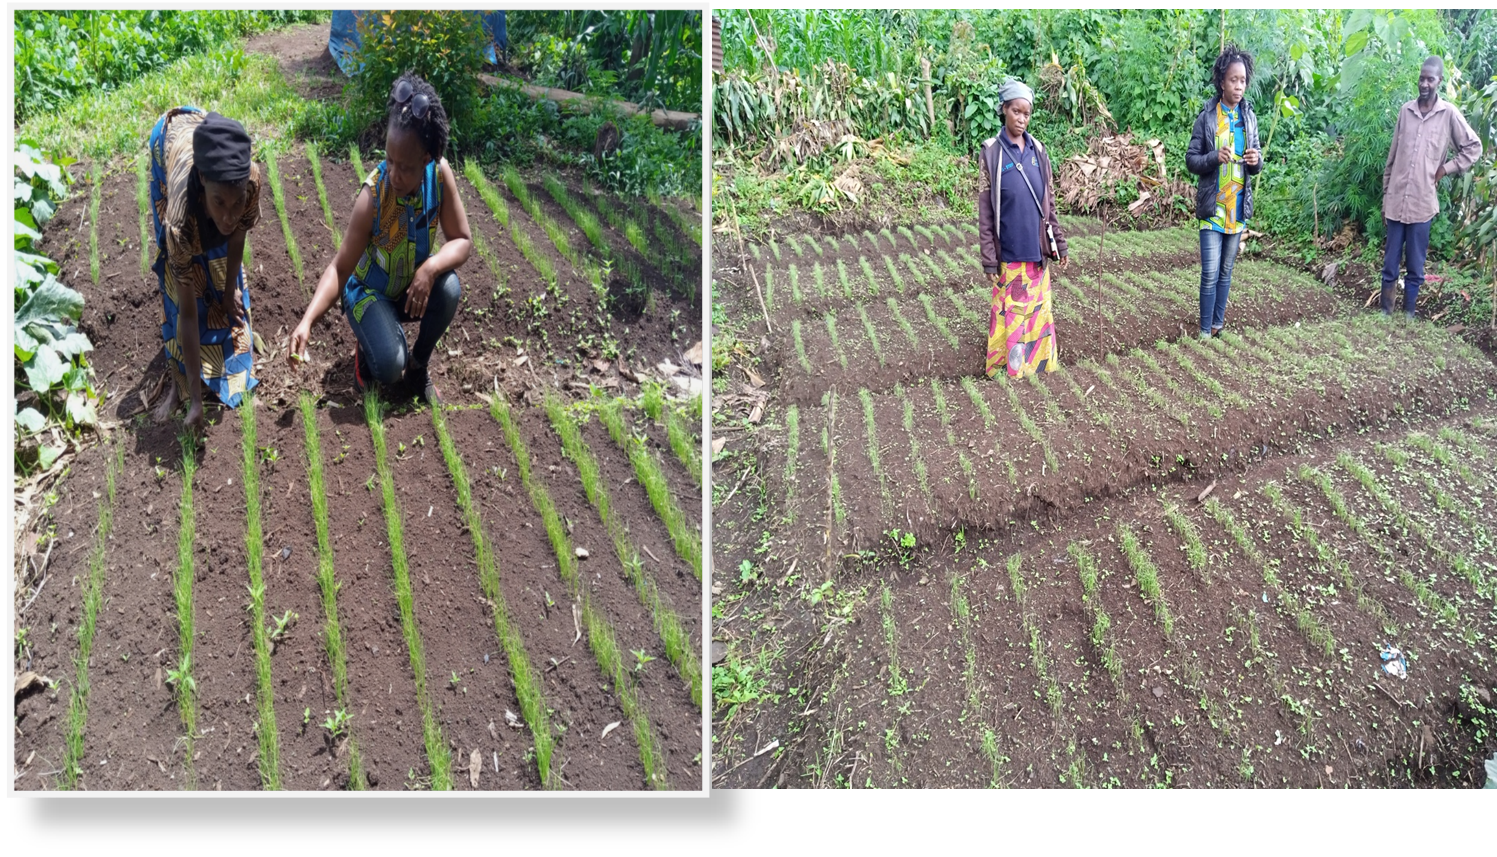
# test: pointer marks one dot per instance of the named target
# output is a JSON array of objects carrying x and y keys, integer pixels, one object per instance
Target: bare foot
[{"x": 168, "y": 403}]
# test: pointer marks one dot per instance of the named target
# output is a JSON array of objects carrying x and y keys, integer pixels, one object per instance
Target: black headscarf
[{"x": 221, "y": 150}]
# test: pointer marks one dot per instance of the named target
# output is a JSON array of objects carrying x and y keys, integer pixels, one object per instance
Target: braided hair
[
  {"x": 1229, "y": 55},
  {"x": 433, "y": 129}
]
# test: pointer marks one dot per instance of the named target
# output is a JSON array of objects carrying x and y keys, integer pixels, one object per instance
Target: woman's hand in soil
[
  {"x": 1224, "y": 155},
  {"x": 299, "y": 339},
  {"x": 418, "y": 292}
]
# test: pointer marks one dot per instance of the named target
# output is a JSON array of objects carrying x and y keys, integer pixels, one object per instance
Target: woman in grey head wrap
[{"x": 1019, "y": 232}]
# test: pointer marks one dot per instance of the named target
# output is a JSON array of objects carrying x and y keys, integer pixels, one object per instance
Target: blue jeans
[
  {"x": 1218, "y": 254},
  {"x": 1411, "y": 241},
  {"x": 382, "y": 341}
]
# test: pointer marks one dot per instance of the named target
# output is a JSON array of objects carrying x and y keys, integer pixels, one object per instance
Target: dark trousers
[
  {"x": 382, "y": 341},
  {"x": 1410, "y": 241}
]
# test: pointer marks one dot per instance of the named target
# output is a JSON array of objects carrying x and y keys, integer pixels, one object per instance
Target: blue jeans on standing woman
[
  {"x": 1411, "y": 241},
  {"x": 1218, "y": 254},
  {"x": 382, "y": 341}
]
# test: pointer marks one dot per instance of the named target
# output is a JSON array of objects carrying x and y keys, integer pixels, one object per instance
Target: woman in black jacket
[{"x": 1223, "y": 152}]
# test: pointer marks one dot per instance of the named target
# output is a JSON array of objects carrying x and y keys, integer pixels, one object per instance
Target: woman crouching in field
[
  {"x": 205, "y": 195},
  {"x": 386, "y": 270},
  {"x": 1018, "y": 230}
]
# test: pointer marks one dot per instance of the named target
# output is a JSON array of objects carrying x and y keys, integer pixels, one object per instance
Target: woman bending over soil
[
  {"x": 205, "y": 195},
  {"x": 1018, "y": 231},
  {"x": 386, "y": 271}
]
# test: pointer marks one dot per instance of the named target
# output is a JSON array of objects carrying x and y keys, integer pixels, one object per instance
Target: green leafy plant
[{"x": 338, "y": 723}]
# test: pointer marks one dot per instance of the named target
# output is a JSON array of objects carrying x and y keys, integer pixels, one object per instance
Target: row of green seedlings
[
  {"x": 987, "y": 742},
  {"x": 273, "y": 173},
  {"x": 950, "y": 235},
  {"x": 1130, "y": 245},
  {"x": 532, "y": 207},
  {"x": 600, "y": 636},
  {"x": 836, "y": 507},
  {"x": 1458, "y": 562},
  {"x": 180, "y": 677},
  {"x": 686, "y": 446},
  {"x": 1146, "y": 574},
  {"x": 265, "y": 725},
  {"x": 673, "y": 636},
  {"x": 899, "y": 685},
  {"x": 526, "y": 680},
  {"x": 438, "y": 755},
  {"x": 940, "y": 322},
  {"x": 922, "y": 268},
  {"x": 690, "y": 223},
  {"x": 685, "y": 538},
  {"x": 315, "y": 161},
  {"x": 1481, "y": 538},
  {"x": 990, "y": 425},
  {"x": 1102, "y": 638},
  {"x": 500, "y": 210},
  {"x": 1393, "y": 565},
  {"x": 885, "y": 496},
  {"x": 1075, "y": 773},
  {"x": 672, "y": 260},
  {"x": 93, "y": 599},
  {"x": 339, "y": 724},
  {"x": 944, "y": 412}
]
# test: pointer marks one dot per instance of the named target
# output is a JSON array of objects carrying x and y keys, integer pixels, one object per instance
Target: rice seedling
[
  {"x": 932, "y": 266},
  {"x": 93, "y": 599},
  {"x": 1097, "y": 415},
  {"x": 908, "y": 235},
  {"x": 898, "y": 685},
  {"x": 795, "y": 292},
  {"x": 487, "y": 192},
  {"x": 1424, "y": 443},
  {"x": 938, "y": 321},
  {"x": 486, "y": 253},
  {"x": 894, "y": 275},
  {"x": 1141, "y": 385},
  {"x": 1028, "y": 424},
  {"x": 1296, "y": 710},
  {"x": 769, "y": 288},
  {"x": 586, "y": 221},
  {"x": 360, "y": 174},
  {"x": 887, "y": 235},
  {"x": 600, "y": 636},
  {"x": 1147, "y": 575},
  {"x": 327, "y": 210},
  {"x": 842, "y": 278},
  {"x": 800, "y": 346},
  {"x": 327, "y": 582},
  {"x": 944, "y": 412},
  {"x": 269, "y": 739},
  {"x": 989, "y": 421},
  {"x": 904, "y": 323},
  {"x": 929, "y": 236},
  {"x": 273, "y": 173},
  {"x": 834, "y": 488},
  {"x": 873, "y": 456},
  {"x": 1210, "y": 383},
  {"x": 773, "y": 248},
  {"x": 1053, "y": 413},
  {"x": 1037, "y": 657},
  {"x": 537, "y": 259},
  {"x": 1308, "y": 625},
  {"x": 1101, "y": 637},
  {"x": 873, "y": 342},
  {"x": 815, "y": 247},
  {"x": 184, "y": 686},
  {"x": 953, "y": 267},
  {"x": 668, "y": 627},
  {"x": 868, "y": 276},
  {"x": 1195, "y": 549},
  {"x": 871, "y": 238},
  {"x": 143, "y": 202},
  {"x": 964, "y": 310},
  {"x": 794, "y": 245},
  {"x": 852, "y": 240},
  {"x": 96, "y": 176},
  {"x": 687, "y": 539},
  {"x": 921, "y": 474},
  {"x": 437, "y": 754},
  {"x": 1172, "y": 385},
  {"x": 920, "y": 275},
  {"x": 818, "y": 276},
  {"x": 683, "y": 443},
  {"x": 831, "y": 332}
]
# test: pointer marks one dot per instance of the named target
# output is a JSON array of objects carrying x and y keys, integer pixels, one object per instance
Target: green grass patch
[
  {"x": 600, "y": 636},
  {"x": 687, "y": 539},
  {"x": 93, "y": 600},
  {"x": 274, "y": 174},
  {"x": 254, "y": 544},
  {"x": 527, "y": 681},
  {"x": 327, "y": 583},
  {"x": 437, "y": 752},
  {"x": 327, "y": 210}
]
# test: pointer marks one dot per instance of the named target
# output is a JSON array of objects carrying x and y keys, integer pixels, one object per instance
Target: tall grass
[
  {"x": 437, "y": 753},
  {"x": 274, "y": 175},
  {"x": 93, "y": 599},
  {"x": 527, "y": 681},
  {"x": 327, "y": 582},
  {"x": 327, "y": 210},
  {"x": 600, "y": 636},
  {"x": 254, "y": 543},
  {"x": 687, "y": 539},
  {"x": 673, "y": 636}
]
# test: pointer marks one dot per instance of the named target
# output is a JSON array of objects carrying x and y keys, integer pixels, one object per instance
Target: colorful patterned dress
[
  {"x": 226, "y": 352},
  {"x": 405, "y": 234},
  {"x": 1229, "y": 179},
  {"x": 1021, "y": 324}
]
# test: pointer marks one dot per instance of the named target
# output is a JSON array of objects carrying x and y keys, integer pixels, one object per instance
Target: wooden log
[{"x": 673, "y": 119}]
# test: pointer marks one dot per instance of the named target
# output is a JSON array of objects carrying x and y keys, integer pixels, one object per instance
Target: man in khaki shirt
[{"x": 1427, "y": 128}]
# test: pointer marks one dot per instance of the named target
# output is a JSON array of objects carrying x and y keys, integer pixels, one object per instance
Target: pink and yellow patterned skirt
[{"x": 1021, "y": 328}]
